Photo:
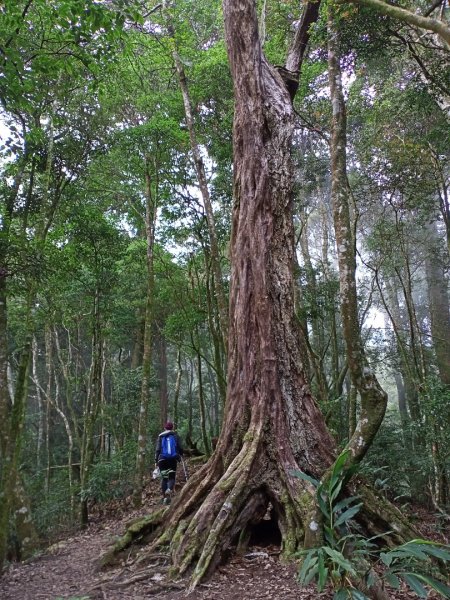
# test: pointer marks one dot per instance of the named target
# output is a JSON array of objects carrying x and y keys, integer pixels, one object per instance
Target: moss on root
[{"x": 136, "y": 530}]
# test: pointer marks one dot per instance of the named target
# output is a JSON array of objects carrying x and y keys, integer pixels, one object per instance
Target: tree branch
[
  {"x": 298, "y": 47},
  {"x": 406, "y": 16}
]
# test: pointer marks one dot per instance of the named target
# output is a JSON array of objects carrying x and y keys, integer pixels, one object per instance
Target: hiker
[{"x": 168, "y": 453}]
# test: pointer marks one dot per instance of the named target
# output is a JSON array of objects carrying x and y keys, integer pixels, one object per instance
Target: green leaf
[
  {"x": 344, "y": 503},
  {"x": 304, "y": 476},
  {"x": 371, "y": 579},
  {"x": 323, "y": 506},
  {"x": 329, "y": 535},
  {"x": 413, "y": 550},
  {"x": 436, "y": 550},
  {"x": 437, "y": 585},
  {"x": 309, "y": 563},
  {"x": 340, "y": 560},
  {"x": 413, "y": 581},
  {"x": 323, "y": 573},
  {"x": 392, "y": 580},
  {"x": 347, "y": 515},
  {"x": 341, "y": 594},
  {"x": 339, "y": 465},
  {"x": 387, "y": 558},
  {"x": 310, "y": 576},
  {"x": 357, "y": 595},
  {"x": 335, "y": 489}
]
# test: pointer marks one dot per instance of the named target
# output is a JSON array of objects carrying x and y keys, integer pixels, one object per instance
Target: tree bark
[
  {"x": 163, "y": 392},
  {"x": 150, "y": 225},
  {"x": 91, "y": 408},
  {"x": 439, "y": 305},
  {"x": 176, "y": 394}
]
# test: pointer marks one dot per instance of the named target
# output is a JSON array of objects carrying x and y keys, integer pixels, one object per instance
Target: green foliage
[
  {"x": 345, "y": 560},
  {"x": 51, "y": 511},
  {"x": 112, "y": 477}
]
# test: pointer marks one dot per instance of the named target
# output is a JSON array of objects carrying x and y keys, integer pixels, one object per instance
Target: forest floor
[{"x": 66, "y": 570}]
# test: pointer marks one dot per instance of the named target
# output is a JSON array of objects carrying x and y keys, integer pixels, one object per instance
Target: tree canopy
[{"x": 236, "y": 217}]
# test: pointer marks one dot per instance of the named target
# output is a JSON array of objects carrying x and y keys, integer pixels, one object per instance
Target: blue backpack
[{"x": 168, "y": 446}]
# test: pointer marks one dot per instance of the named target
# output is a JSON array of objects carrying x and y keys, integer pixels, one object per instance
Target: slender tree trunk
[
  {"x": 219, "y": 361},
  {"x": 189, "y": 439},
  {"x": 150, "y": 224},
  {"x": 176, "y": 394},
  {"x": 317, "y": 338},
  {"x": 163, "y": 393},
  {"x": 373, "y": 398},
  {"x": 201, "y": 400},
  {"x": 4, "y": 394},
  {"x": 403, "y": 411},
  {"x": 352, "y": 410},
  {"x": 138, "y": 342},
  {"x": 91, "y": 410}
]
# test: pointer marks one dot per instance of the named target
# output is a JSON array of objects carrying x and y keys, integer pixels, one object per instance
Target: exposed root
[
  {"x": 137, "y": 530},
  {"x": 141, "y": 575},
  {"x": 381, "y": 516},
  {"x": 218, "y": 510}
]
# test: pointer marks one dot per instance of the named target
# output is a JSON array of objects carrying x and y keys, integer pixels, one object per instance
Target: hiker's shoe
[{"x": 168, "y": 496}]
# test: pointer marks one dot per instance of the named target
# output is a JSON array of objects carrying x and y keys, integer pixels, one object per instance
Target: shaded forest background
[{"x": 114, "y": 231}]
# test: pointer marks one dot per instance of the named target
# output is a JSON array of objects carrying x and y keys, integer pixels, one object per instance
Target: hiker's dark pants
[{"x": 170, "y": 466}]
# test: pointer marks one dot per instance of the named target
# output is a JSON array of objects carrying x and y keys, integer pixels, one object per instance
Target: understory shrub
[{"x": 346, "y": 560}]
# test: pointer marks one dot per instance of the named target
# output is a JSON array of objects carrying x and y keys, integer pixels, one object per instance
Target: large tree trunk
[{"x": 271, "y": 423}]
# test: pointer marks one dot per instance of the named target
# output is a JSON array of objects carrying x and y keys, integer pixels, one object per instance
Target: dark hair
[{"x": 169, "y": 425}]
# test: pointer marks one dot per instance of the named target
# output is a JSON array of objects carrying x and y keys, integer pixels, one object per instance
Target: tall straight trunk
[
  {"x": 176, "y": 393},
  {"x": 12, "y": 429},
  {"x": 190, "y": 373},
  {"x": 163, "y": 393},
  {"x": 8, "y": 416},
  {"x": 410, "y": 374},
  {"x": 201, "y": 399},
  {"x": 41, "y": 415},
  {"x": 48, "y": 394},
  {"x": 403, "y": 410},
  {"x": 151, "y": 191},
  {"x": 4, "y": 393},
  {"x": 317, "y": 339},
  {"x": 373, "y": 398},
  {"x": 219, "y": 361},
  {"x": 215, "y": 410},
  {"x": 438, "y": 297},
  {"x": 91, "y": 409},
  {"x": 138, "y": 342}
]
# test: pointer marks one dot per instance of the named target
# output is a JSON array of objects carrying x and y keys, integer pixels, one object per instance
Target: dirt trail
[{"x": 66, "y": 571}]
